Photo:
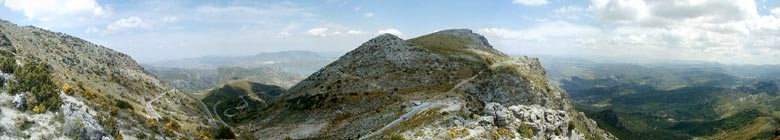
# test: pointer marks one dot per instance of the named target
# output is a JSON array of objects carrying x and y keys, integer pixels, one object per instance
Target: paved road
[
  {"x": 149, "y": 104},
  {"x": 218, "y": 117},
  {"x": 211, "y": 116},
  {"x": 246, "y": 104},
  {"x": 423, "y": 106}
]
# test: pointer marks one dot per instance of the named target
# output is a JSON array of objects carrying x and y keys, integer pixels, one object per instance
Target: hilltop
[{"x": 448, "y": 84}]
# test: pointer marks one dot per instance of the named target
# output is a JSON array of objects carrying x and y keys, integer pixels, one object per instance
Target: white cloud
[
  {"x": 571, "y": 12},
  {"x": 127, "y": 24},
  {"x": 718, "y": 30},
  {"x": 620, "y": 11},
  {"x": 775, "y": 11},
  {"x": 48, "y": 10},
  {"x": 268, "y": 10},
  {"x": 355, "y": 32},
  {"x": 390, "y": 31},
  {"x": 333, "y": 30},
  {"x": 726, "y": 31},
  {"x": 320, "y": 31},
  {"x": 170, "y": 19},
  {"x": 283, "y": 34},
  {"x": 530, "y": 2},
  {"x": 543, "y": 31},
  {"x": 329, "y": 29},
  {"x": 122, "y": 25},
  {"x": 663, "y": 12},
  {"x": 369, "y": 14}
]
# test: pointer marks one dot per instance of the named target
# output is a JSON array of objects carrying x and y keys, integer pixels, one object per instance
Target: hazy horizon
[{"x": 730, "y": 32}]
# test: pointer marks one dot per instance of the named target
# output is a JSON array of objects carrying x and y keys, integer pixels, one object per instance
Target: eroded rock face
[
  {"x": 530, "y": 122},
  {"x": 500, "y": 114},
  {"x": 78, "y": 122}
]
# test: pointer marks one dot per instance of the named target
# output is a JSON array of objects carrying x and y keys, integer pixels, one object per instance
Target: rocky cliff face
[
  {"x": 449, "y": 84},
  {"x": 98, "y": 92}
]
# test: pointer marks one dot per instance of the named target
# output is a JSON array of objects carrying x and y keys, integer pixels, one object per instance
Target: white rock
[{"x": 19, "y": 101}]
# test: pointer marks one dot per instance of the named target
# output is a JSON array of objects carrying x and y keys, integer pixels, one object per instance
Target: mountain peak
[
  {"x": 466, "y": 33},
  {"x": 384, "y": 39},
  {"x": 389, "y": 85}
]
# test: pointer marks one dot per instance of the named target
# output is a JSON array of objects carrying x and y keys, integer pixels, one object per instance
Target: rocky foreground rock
[{"x": 446, "y": 85}]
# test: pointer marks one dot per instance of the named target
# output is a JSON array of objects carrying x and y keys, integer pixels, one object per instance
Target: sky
[{"x": 724, "y": 31}]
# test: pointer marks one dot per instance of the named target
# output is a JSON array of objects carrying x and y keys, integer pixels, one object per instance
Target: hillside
[
  {"x": 671, "y": 101},
  {"x": 449, "y": 84},
  {"x": 199, "y": 80},
  {"x": 59, "y": 86},
  {"x": 239, "y": 97}
]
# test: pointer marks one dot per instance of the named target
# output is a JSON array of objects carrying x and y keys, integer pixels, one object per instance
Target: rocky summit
[{"x": 450, "y": 84}]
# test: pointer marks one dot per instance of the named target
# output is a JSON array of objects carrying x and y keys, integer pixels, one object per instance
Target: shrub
[
  {"x": 7, "y": 64},
  {"x": 35, "y": 78},
  {"x": 171, "y": 126},
  {"x": 203, "y": 134},
  {"x": 40, "y": 108},
  {"x": 22, "y": 123},
  {"x": 454, "y": 132},
  {"x": 396, "y": 137},
  {"x": 108, "y": 123},
  {"x": 502, "y": 133},
  {"x": 248, "y": 136},
  {"x": 525, "y": 130},
  {"x": 113, "y": 111},
  {"x": 224, "y": 133},
  {"x": 88, "y": 94},
  {"x": 68, "y": 89},
  {"x": 123, "y": 104}
]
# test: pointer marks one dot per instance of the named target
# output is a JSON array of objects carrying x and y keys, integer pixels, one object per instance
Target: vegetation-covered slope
[
  {"x": 97, "y": 92},
  {"x": 239, "y": 97},
  {"x": 673, "y": 101}
]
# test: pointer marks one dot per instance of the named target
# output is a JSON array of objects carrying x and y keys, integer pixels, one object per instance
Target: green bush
[
  {"x": 224, "y": 133},
  {"x": 7, "y": 64},
  {"x": 34, "y": 78},
  {"x": 123, "y": 104},
  {"x": 109, "y": 124}
]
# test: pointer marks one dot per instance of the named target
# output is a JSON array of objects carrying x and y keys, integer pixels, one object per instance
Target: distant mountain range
[
  {"x": 303, "y": 62},
  {"x": 199, "y": 80},
  {"x": 196, "y": 75}
]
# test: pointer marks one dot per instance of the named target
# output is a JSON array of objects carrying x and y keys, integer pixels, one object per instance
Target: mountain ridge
[
  {"x": 104, "y": 90},
  {"x": 390, "y": 87}
]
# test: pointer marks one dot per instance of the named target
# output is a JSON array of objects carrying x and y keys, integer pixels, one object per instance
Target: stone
[
  {"x": 19, "y": 101},
  {"x": 501, "y": 114}
]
